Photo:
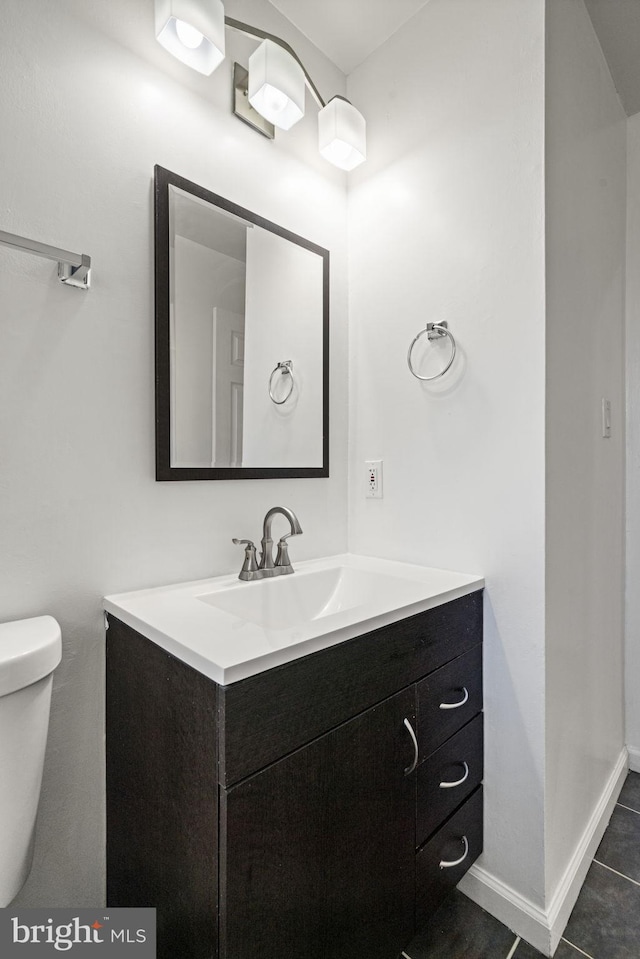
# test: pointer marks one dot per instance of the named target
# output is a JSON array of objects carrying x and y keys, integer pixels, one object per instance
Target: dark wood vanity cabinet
[
  {"x": 322, "y": 846},
  {"x": 289, "y": 814}
]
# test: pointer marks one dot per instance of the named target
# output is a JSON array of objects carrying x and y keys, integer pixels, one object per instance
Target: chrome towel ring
[
  {"x": 286, "y": 369},
  {"x": 434, "y": 331}
]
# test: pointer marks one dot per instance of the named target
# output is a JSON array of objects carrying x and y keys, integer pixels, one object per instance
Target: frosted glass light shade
[
  {"x": 276, "y": 85},
  {"x": 342, "y": 132},
  {"x": 193, "y": 31}
]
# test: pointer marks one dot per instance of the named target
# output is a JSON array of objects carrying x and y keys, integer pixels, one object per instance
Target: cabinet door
[{"x": 318, "y": 850}]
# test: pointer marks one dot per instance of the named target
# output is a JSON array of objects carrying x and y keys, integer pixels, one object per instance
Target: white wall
[
  {"x": 500, "y": 467},
  {"x": 632, "y": 651},
  {"x": 446, "y": 222},
  {"x": 89, "y": 102},
  {"x": 585, "y": 229}
]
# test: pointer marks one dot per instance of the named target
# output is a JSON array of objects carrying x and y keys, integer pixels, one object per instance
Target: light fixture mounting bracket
[{"x": 243, "y": 109}]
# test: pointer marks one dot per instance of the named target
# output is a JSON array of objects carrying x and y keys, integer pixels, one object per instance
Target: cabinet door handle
[
  {"x": 458, "y": 782},
  {"x": 456, "y": 862},
  {"x": 413, "y": 765},
  {"x": 457, "y": 705}
]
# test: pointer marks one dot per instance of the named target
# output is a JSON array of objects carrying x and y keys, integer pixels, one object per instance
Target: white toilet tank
[{"x": 30, "y": 649}]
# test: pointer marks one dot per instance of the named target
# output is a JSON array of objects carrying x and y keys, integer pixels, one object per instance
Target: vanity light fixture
[
  {"x": 272, "y": 95},
  {"x": 193, "y": 31},
  {"x": 342, "y": 134},
  {"x": 276, "y": 85}
]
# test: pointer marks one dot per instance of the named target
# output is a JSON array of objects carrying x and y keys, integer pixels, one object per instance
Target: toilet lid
[{"x": 29, "y": 650}]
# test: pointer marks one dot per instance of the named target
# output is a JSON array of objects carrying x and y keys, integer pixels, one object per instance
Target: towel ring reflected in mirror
[
  {"x": 286, "y": 369},
  {"x": 230, "y": 286},
  {"x": 434, "y": 331}
]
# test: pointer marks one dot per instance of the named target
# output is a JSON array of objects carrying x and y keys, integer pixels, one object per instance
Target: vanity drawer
[
  {"x": 459, "y": 760},
  {"x": 268, "y": 715},
  {"x": 443, "y": 861},
  {"x": 449, "y": 698}
]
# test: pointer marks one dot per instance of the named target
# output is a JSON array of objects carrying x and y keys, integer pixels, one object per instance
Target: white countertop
[{"x": 184, "y": 619}]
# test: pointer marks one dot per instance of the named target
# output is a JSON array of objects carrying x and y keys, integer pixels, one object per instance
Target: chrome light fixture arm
[{"x": 251, "y": 31}]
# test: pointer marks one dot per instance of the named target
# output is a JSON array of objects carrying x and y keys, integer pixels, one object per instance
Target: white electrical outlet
[{"x": 374, "y": 479}]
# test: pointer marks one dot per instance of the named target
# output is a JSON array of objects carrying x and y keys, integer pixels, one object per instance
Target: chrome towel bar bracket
[
  {"x": 74, "y": 269},
  {"x": 434, "y": 331},
  {"x": 286, "y": 369}
]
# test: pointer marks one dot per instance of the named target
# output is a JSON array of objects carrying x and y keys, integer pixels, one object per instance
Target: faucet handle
[
  {"x": 242, "y": 542},
  {"x": 287, "y": 535},
  {"x": 250, "y": 564},
  {"x": 282, "y": 556}
]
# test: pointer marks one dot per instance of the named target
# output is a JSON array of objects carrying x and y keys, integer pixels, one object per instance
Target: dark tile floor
[{"x": 605, "y": 923}]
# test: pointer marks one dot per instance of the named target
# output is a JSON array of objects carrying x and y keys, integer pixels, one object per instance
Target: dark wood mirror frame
[{"x": 164, "y": 470}]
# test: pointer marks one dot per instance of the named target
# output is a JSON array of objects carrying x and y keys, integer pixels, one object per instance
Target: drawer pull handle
[
  {"x": 413, "y": 765},
  {"x": 458, "y": 782},
  {"x": 457, "y": 705},
  {"x": 456, "y": 862}
]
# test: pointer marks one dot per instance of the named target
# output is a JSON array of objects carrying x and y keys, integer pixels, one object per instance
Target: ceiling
[{"x": 347, "y": 31}]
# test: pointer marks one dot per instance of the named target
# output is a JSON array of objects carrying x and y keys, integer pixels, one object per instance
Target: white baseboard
[
  {"x": 543, "y": 928},
  {"x": 634, "y": 758},
  {"x": 564, "y": 898},
  {"x": 513, "y": 910}
]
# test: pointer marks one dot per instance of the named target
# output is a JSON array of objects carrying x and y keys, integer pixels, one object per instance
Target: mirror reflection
[{"x": 242, "y": 330}]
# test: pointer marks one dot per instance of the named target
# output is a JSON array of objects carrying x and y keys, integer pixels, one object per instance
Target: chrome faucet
[{"x": 251, "y": 570}]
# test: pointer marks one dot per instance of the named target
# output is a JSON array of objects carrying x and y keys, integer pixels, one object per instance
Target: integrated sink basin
[
  {"x": 229, "y": 629},
  {"x": 309, "y": 594}
]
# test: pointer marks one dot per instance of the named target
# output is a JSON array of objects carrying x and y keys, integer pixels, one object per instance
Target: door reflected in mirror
[{"x": 241, "y": 341}]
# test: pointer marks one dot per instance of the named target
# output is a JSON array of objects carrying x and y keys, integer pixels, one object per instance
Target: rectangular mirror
[{"x": 242, "y": 340}]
